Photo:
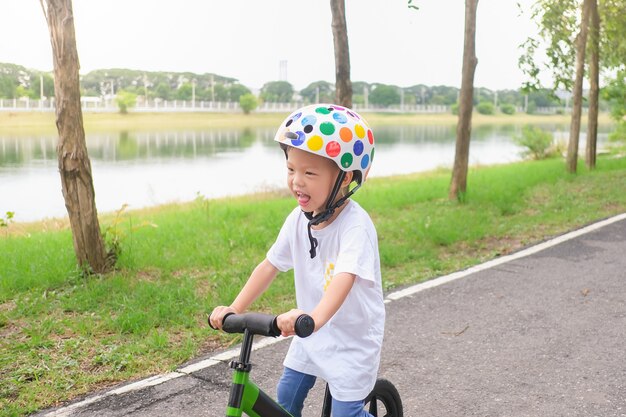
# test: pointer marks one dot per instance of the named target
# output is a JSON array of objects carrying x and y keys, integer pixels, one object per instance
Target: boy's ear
[{"x": 347, "y": 179}]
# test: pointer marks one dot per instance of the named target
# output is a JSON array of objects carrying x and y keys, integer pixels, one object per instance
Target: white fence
[{"x": 94, "y": 104}]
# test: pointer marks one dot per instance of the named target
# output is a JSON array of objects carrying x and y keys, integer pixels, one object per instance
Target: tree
[
  {"x": 163, "y": 91},
  {"x": 384, "y": 95},
  {"x": 613, "y": 34},
  {"x": 184, "y": 92},
  {"x": 220, "y": 93},
  {"x": 318, "y": 92},
  {"x": 74, "y": 164},
  {"x": 48, "y": 86},
  {"x": 557, "y": 21},
  {"x": 343, "y": 84},
  {"x": 458, "y": 184},
  {"x": 7, "y": 87},
  {"x": 577, "y": 98},
  {"x": 277, "y": 92},
  {"x": 594, "y": 85},
  {"x": 236, "y": 91}
]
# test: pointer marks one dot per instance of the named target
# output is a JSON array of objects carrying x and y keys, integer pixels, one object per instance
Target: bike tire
[{"x": 384, "y": 400}]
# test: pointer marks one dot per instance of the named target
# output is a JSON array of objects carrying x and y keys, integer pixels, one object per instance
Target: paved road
[{"x": 542, "y": 334}]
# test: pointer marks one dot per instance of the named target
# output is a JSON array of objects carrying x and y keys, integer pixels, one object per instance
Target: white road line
[{"x": 267, "y": 341}]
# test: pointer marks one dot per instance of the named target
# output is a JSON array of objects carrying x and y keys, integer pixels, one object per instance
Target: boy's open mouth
[{"x": 303, "y": 199}]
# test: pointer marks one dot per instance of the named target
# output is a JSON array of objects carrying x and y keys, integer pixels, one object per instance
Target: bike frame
[{"x": 245, "y": 395}]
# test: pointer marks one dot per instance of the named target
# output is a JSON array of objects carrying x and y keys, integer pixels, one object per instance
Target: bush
[
  {"x": 248, "y": 103},
  {"x": 619, "y": 134},
  {"x": 507, "y": 108},
  {"x": 539, "y": 143},
  {"x": 486, "y": 107},
  {"x": 455, "y": 109},
  {"x": 125, "y": 100}
]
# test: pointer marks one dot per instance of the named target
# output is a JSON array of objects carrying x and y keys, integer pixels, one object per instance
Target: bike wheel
[{"x": 384, "y": 400}]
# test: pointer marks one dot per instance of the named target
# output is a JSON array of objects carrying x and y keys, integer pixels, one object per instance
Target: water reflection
[{"x": 148, "y": 168}]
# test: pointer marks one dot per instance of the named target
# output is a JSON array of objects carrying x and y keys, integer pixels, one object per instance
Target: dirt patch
[
  {"x": 10, "y": 330},
  {"x": 7, "y": 306},
  {"x": 148, "y": 275}
]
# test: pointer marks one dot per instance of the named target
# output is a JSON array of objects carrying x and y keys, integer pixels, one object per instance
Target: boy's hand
[
  {"x": 216, "y": 319},
  {"x": 287, "y": 321}
]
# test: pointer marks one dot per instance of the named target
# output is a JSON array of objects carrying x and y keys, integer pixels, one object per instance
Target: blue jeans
[{"x": 293, "y": 388}]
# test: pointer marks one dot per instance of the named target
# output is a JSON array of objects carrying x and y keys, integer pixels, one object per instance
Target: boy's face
[{"x": 310, "y": 179}]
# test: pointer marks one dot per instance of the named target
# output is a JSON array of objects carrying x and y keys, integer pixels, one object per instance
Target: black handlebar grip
[
  {"x": 305, "y": 325},
  {"x": 209, "y": 320}
]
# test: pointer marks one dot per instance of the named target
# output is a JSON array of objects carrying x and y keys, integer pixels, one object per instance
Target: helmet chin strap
[{"x": 331, "y": 206}]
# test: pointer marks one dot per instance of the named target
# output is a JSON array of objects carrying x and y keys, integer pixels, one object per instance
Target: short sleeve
[
  {"x": 281, "y": 254},
  {"x": 357, "y": 254}
]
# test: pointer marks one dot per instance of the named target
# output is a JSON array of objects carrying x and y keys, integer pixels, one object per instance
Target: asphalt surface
[{"x": 542, "y": 334}]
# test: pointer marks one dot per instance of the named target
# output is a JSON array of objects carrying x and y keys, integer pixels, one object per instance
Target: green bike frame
[{"x": 245, "y": 396}]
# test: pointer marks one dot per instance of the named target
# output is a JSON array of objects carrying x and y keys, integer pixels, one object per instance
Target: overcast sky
[{"x": 246, "y": 39}]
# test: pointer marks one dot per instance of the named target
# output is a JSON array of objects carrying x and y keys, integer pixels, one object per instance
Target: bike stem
[
  {"x": 246, "y": 349},
  {"x": 241, "y": 376}
]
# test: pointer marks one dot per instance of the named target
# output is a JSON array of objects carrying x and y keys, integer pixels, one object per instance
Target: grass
[
  {"x": 63, "y": 335},
  {"x": 32, "y": 123}
]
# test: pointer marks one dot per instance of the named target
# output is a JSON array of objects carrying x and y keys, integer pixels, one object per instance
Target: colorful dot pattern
[{"x": 333, "y": 132}]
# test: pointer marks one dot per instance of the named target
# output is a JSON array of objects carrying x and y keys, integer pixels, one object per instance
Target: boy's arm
[
  {"x": 331, "y": 301},
  {"x": 259, "y": 280}
]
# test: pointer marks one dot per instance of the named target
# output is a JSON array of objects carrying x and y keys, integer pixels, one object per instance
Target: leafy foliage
[
  {"x": 18, "y": 81},
  {"x": 277, "y": 92},
  {"x": 385, "y": 95},
  {"x": 485, "y": 107},
  {"x": 7, "y": 219},
  {"x": 558, "y": 24},
  {"x": 125, "y": 100},
  {"x": 538, "y": 142},
  {"x": 248, "y": 102},
  {"x": 613, "y": 37},
  {"x": 615, "y": 94},
  {"x": 157, "y": 84},
  {"x": 319, "y": 92},
  {"x": 507, "y": 108}
]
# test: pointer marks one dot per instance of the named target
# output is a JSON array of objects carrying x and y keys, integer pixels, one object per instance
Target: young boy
[{"x": 331, "y": 244}]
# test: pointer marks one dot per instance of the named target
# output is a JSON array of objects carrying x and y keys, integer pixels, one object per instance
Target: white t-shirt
[{"x": 346, "y": 351}]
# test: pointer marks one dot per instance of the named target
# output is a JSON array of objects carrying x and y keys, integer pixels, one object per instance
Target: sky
[{"x": 247, "y": 39}]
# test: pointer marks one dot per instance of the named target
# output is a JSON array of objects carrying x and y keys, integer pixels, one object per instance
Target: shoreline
[{"x": 29, "y": 123}]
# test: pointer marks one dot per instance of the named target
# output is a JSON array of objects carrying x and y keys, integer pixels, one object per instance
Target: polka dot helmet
[{"x": 333, "y": 132}]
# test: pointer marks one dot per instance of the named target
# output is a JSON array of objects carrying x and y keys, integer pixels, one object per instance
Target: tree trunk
[
  {"x": 343, "y": 85},
  {"x": 594, "y": 88},
  {"x": 458, "y": 185},
  {"x": 577, "y": 94},
  {"x": 74, "y": 164}
]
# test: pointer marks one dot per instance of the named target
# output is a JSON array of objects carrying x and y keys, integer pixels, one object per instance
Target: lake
[{"x": 149, "y": 168}]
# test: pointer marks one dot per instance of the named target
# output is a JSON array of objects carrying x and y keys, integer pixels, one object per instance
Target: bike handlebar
[{"x": 264, "y": 324}]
